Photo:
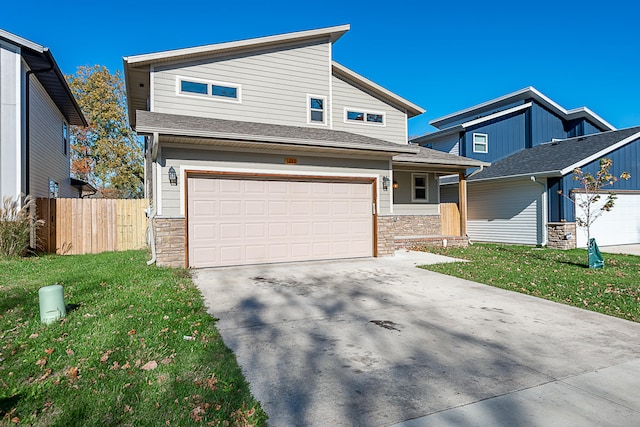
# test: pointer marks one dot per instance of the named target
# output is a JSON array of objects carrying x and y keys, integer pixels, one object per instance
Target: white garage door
[
  {"x": 255, "y": 221},
  {"x": 619, "y": 226},
  {"x": 505, "y": 212}
]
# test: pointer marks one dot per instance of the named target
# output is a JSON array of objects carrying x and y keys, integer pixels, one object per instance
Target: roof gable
[
  {"x": 489, "y": 108},
  {"x": 40, "y": 59}
]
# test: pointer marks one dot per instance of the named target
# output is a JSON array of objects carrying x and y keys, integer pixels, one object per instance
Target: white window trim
[
  {"x": 236, "y": 86},
  {"x": 365, "y": 111},
  {"x": 325, "y": 112},
  {"x": 426, "y": 188},
  {"x": 486, "y": 144}
]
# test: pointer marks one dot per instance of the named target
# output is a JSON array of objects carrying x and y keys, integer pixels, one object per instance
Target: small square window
[
  {"x": 355, "y": 116},
  {"x": 363, "y": 116},
  {"x": 54, "y": 189},
  {"x": 480, "y": 143},
  {"x": 224, "y": 91},
  {"x": 374, "y": 118}
]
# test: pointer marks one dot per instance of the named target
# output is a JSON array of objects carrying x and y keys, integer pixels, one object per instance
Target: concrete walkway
[
  {"x": 621, "y": 249},
  {"x": 378, "y": 342}
]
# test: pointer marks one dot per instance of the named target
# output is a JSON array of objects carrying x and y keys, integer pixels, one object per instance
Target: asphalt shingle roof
[
  {"x": 431, "y": 156},
  {"x": 553, "y": 157}
]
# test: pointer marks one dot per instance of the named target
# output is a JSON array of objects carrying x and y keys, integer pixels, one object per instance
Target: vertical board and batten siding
[
  {"x": 545, "y": 126},
  {"x": 84, "y": 226},
  {"x": 268, "y": 163},
  {"x": 625, "y": 159},
  {"x": 347, "y": 95},
  {"x": 505, "y": 212},
  {"x": 48, "y": 159},
  {"x": 472, "y": 115},
  {"x": 10, "y": 129},
  {"x": 506, "y": 135},
  {"x": 589, "y": 128},
  {"x": 275, "y": 84}
]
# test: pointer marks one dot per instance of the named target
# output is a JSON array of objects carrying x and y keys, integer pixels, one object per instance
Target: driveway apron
[{"x": 378, "y": 342}]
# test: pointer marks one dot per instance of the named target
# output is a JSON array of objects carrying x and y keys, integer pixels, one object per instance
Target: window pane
[
  {"x": 374, "y": 118},
  {"x": 419, "y": 181},
  {"x": 317, "y": 116},
  {"x": 354, "y": 115},
  {"x": 421, "y": 193},
  {"x": 317, "y": 104},
  {"x": 193, "y": 87},
  {"x": 227, "y": 92}
]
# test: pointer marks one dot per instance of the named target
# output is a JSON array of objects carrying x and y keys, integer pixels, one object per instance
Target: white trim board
[{"x": 601, "y": 153}]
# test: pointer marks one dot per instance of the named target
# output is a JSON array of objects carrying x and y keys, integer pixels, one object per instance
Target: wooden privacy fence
[
  {"x": 91, "y": 226},
  {"x": 450, "y": 219}
]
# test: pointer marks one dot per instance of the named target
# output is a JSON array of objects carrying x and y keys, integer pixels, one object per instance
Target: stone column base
[{"x": 561, "y": 235}]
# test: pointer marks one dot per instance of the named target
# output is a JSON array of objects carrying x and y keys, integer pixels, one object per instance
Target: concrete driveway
[
  {"x": 621, "y": 249},
  {"x": 378, "y": 342}
]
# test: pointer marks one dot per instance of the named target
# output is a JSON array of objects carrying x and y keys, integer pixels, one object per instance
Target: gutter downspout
[
  {"x": 544, "y": 210},
  {"x": 152, "y": 214}
]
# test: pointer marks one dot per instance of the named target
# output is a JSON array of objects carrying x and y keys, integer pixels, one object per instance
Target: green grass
[
  {"x": 556, "y": 275},
  {"x": 87, "y": 369}
]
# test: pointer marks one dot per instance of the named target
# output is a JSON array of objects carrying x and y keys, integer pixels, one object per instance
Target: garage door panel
[
  {"x": 619, "y": 226},
  {"x": 236, "y": 221}
]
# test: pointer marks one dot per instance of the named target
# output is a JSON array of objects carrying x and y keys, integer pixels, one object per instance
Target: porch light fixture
[
  {"x": 385, "y": 183},
  {"x": 395, "y": 185},
  {"x": 173, "y": 177}
]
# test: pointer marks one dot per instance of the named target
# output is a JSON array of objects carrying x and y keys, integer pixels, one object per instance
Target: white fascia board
[
  {"x": 385, "y": 93},
  {"x": 22, "y": 42},
  {"x": 601, "y": 153},
  {"x": 333, "y": 32},
  {"x": 587, "y": 113},
  {"x": 546, "y": 174},
  {"x": 496, "y": 115}
]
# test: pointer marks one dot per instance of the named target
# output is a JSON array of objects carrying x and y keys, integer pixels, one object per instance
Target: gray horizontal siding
[
  {"x": 48, "y": 160},
  {"x": 275, "y": 84},
  {"x": 347, "y": 95},
  {"x": 257, "y": 161},
  {"x": 505, "y": 212}
]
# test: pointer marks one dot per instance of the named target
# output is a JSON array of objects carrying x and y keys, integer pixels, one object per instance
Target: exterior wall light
[
  {"x": 173, "y": 177},
  {"x": 385, "y": 183},
  {"x": 395, "y": 185}
]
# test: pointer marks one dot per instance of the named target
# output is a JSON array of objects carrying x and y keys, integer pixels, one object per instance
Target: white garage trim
[
  {"x": 333, "y": 218},
  {"x": 619, "y": 226},
  {"x": 191, "y": 169}
]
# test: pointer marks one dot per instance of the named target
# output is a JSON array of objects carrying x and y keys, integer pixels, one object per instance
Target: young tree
[
  {"x": 107, "y": 153},
  {"x": 591, "y": 193}
]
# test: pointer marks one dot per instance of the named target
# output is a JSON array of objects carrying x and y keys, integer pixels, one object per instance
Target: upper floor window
[
  {"x": 420, "y": 188},
  {"x": 316, "y": 109},
  {"x": 65, "y": 138},
  {"x": 353, "y": 115},
  {"x": 480, "y": 143},
  {"x": 209, "y": 89}
]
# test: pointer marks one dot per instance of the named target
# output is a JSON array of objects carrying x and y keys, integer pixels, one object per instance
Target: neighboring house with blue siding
[
  {"x": 36, "y": 110},
  {"x": 267, "y": 150},
  {"x": 534, "y": 145}
]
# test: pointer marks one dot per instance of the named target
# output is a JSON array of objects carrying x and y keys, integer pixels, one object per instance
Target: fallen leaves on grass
[
  {"x": 73, "y": 374},
  {"x": 105, "y": 356},
  {"x": 149, "y": 366}
]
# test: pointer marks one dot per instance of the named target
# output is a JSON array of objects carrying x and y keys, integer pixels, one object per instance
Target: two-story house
[
  {"x": 36, "y": 110},
  {"x": 267, "y": 150},
  {"x": 533, "y": 145}
]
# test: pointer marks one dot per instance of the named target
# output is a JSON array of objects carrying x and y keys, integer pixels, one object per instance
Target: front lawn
[
  {"x": 556, "y": 275},
  {"x": 136, "y": 348}
]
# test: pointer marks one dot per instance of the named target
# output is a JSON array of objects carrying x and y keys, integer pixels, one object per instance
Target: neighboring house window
[
  {"x": 54, "y": 188},
  {"x": 480, "y": 143},
  {"x": 317, "y": 109},
  {"x": 420, "y": 189},
  {"x": 65, "y": 137},
  {"x": 352, "y": 115},
  {"x": 209, "y": 89}
]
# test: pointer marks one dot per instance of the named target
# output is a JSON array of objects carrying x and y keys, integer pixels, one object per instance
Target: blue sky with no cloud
[{"x": 443, "y": 56}]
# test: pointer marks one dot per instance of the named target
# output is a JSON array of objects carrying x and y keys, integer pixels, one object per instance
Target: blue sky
[{"x": 443, "y": 56}]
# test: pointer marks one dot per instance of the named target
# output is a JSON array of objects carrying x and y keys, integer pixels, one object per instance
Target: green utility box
[
  {"x": 52, "y": 305},
  {"x": 595, "y": 257}
]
